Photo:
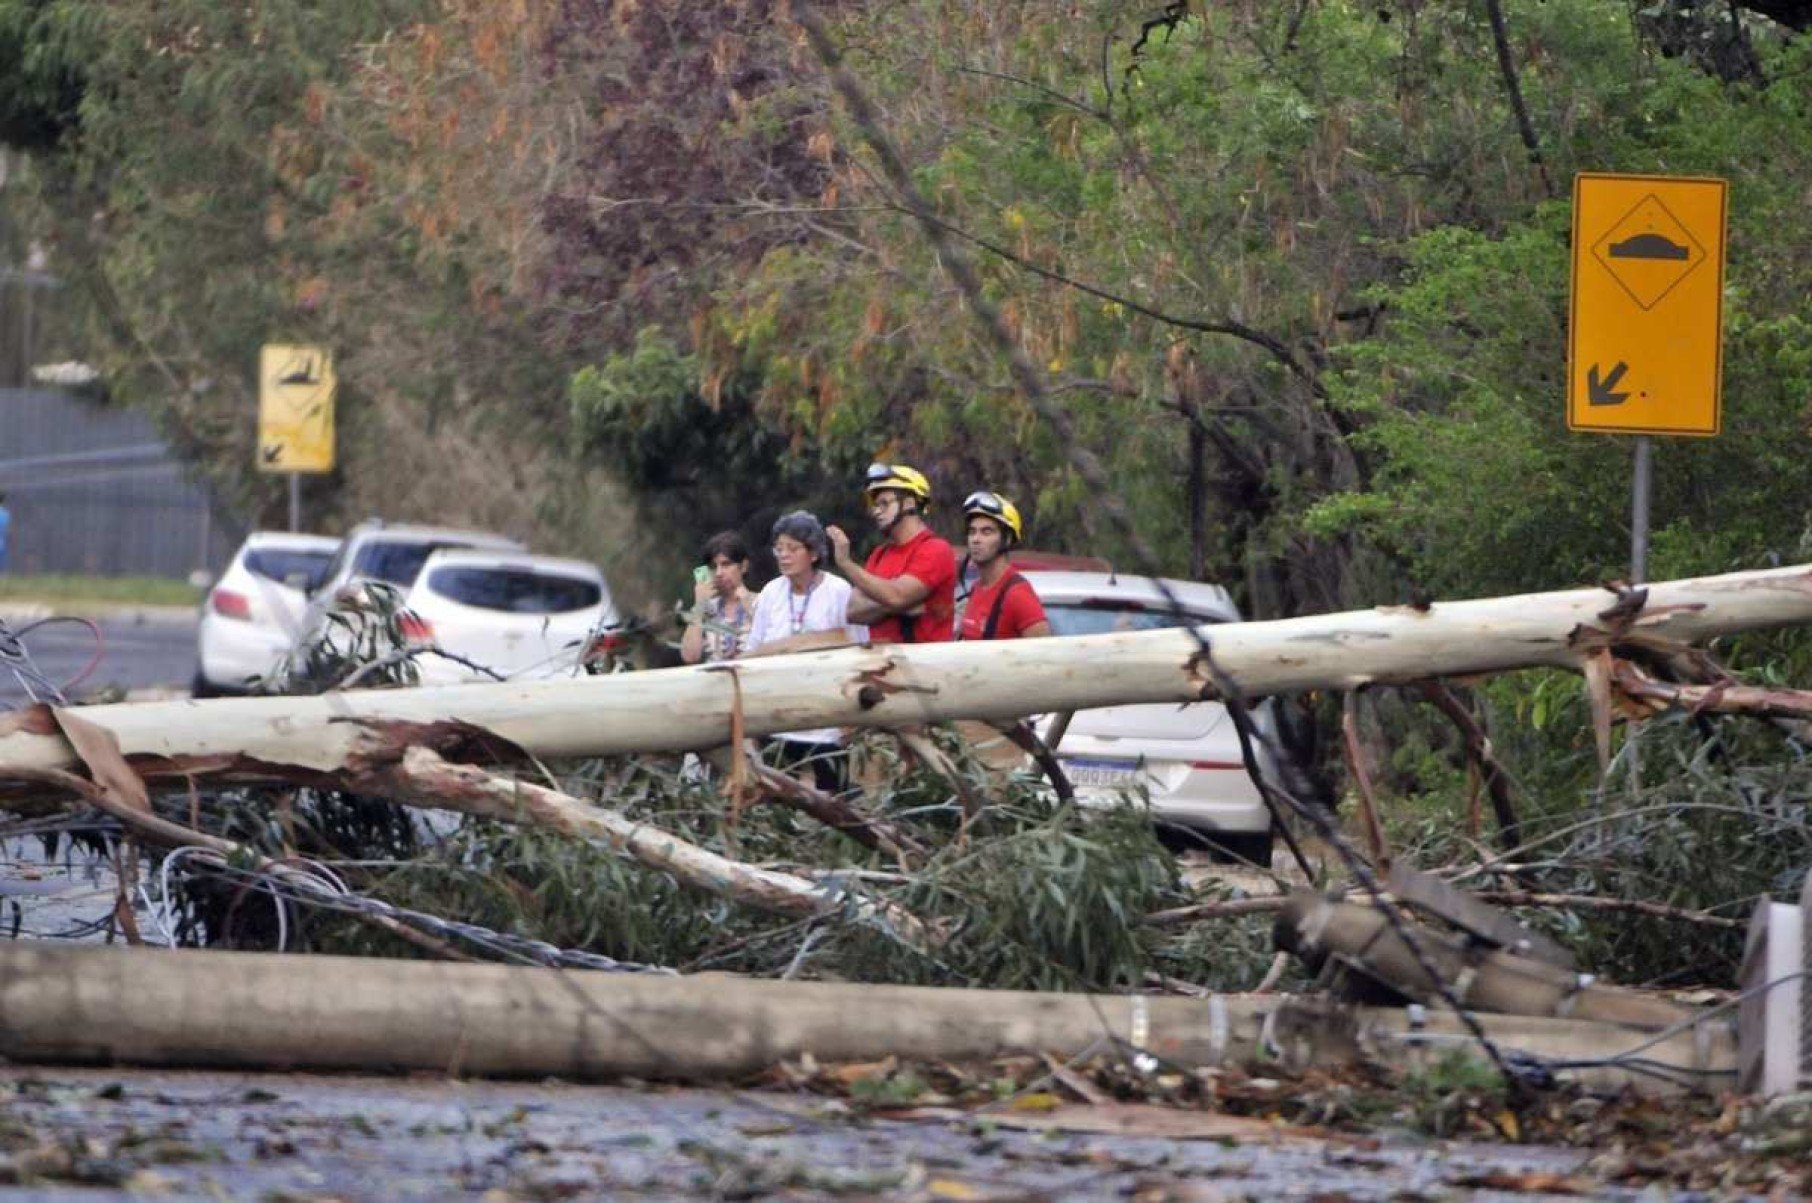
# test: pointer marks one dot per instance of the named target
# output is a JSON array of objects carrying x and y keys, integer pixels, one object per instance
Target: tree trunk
[
  {"x": 260, "y": 1011},
  {"x": 319, "y": 739}
]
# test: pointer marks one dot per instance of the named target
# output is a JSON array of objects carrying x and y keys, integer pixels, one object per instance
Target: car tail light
[
  {"x": 228, "y": 604},
  {"x": 1218, "y": 765},
  {"x": 602, "y": 651},
  {"x": 415, "y": 629}
]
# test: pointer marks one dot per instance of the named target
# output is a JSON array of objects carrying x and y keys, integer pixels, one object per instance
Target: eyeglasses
[{"x": 984, "y": 503}]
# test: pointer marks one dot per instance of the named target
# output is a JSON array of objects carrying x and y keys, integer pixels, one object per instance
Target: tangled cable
[
  {"x": 308, "y": 883},
  {"x": 16, "y": 658}
]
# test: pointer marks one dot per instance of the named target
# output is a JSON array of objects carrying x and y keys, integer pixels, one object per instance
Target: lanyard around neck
[{"x": 798, "y": 615}]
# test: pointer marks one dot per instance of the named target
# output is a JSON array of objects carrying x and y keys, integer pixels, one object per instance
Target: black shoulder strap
[{"x": 1000, "y": 600}]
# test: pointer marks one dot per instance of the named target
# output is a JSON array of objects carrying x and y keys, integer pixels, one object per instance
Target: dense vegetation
[
  {"x": 594, "y": 269},
  {"x": 613, "y": 274}
]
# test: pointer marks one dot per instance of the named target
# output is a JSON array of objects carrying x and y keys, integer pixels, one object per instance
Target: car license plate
[{"x": 1102, "y": 774}]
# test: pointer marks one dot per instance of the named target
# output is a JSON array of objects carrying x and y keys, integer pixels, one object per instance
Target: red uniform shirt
[
  {"x": 930, "y": 561},
  {"x": 1019, "y": 609}
]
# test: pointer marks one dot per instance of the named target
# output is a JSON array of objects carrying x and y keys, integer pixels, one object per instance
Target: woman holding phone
[{"x": 724, "y": 606}]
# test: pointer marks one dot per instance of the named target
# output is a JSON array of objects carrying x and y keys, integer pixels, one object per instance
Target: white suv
[{"x": 1185, "y": 758}]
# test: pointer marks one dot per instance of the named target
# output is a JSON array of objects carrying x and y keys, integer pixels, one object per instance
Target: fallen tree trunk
[
  {"x": 264, "y": 1011},
  {"x": 1362, "y": 938},
  {"x": 314, "y": 738}
]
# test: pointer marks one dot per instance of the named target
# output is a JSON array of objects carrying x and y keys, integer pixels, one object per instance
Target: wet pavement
[
  {"x": 87, "y": 1134},
  {"x": 124, "y": 650}
]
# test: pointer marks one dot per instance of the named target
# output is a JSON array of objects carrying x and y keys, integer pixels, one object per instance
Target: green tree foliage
[
  {"x": 1479, "y": 486},
  {"x": 706, "y": 460},
  {"x": 40, "y": 106}
]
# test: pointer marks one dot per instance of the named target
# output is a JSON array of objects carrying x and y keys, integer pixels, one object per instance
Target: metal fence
[{"x": 93, "y": 489}]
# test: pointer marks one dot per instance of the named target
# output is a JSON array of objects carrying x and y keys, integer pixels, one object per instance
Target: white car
[
  {"x": 520, "y": 617},
  {"x": 392, "y": 554},
  {"x": 1185, "y": 758},
  {"x": 254, "y": 611}
]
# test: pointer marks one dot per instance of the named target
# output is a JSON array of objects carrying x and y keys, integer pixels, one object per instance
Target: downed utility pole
[
  {"x": 268, "y": 1011},
  {"x": 319, "y": 739}
]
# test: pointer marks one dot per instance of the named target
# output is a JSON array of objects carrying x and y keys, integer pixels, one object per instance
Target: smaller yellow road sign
[
  {"x": 1645, "y": 339},
  {"x": 295, "y": 409}
]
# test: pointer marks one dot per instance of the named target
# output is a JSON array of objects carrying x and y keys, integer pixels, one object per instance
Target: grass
[{"x": 63, "y": 592}]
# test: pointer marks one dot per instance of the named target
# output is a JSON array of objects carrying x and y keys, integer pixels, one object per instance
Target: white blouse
[{"x": 780, "y": 614}]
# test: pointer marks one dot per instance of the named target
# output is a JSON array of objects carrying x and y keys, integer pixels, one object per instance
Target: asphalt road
[
  {"x": 124, "y": 1133},
  {"x": 137, "y": 650}
]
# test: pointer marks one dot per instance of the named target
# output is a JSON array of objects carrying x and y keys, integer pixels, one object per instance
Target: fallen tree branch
[
  {"x": 919, "y": 745},
  {"x": 310, "y": 740},
  {"x": 1581, "y": 902},
  {"x": 1478, "y": 751},
  {"x": 1234, "y": 908},
  {"x": 1362, "y": 781},
  {"x": 1226, "y": 908},
  {"x": 840, "y": 815},
  {"x": 421, "y": 777},
  {"x": 1722, "y": 697}
]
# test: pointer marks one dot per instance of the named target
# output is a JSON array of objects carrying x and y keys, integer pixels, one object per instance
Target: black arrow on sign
[
  {"x": 1598, "y": 392},
  {"x": 274, "y": 452}
]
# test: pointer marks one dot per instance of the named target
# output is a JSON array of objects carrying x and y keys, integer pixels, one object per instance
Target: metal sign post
[{"x": 1639, "y": 494}]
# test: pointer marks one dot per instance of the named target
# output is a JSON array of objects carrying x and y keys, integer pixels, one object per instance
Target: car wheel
[{"x": 201, "y": 687}]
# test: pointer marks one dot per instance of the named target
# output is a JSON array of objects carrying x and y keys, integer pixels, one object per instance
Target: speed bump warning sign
[
  {"x": 295, "y": 409},
  {"x": 1645, "y": 339}
]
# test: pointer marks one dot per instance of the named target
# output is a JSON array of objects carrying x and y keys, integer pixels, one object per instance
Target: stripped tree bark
[
  {"x": 319, "y": 739},
  {"x": 422, "y": 778}
]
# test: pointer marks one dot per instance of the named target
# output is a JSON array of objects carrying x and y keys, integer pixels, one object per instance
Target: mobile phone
[{"x": 701, "y": 573}]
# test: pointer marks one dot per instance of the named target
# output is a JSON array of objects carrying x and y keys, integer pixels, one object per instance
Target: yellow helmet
[
  {"x": 898, "y": 476},
  {"x": 993, "y": 505}
]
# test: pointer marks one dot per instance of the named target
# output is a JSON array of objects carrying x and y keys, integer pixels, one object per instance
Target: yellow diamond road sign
[
  {"x": 295, "y": 409},
  {"x": 1645, "y": 339}
]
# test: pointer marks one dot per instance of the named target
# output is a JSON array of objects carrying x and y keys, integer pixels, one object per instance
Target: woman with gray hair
[{"x": 804, "y": 600}]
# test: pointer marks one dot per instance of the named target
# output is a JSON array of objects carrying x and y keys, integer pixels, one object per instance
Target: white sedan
[
  {"x": 508, "y": 616},
  {"x": 253, "y": 612},
  {"x": 1185, "y": 760}
]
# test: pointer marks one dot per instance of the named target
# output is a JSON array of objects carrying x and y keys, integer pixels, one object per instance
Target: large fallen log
[
  {"x": 263, "y": 1011},
  {"x": 1363, "y": 938},
  {"x": 316, "y": 738}
]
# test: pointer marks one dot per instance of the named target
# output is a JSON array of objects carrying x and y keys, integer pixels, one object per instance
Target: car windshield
[
  {"x": 515, "y": 590},
  {"x": 1102, "y": 616},
  {"x": 393, "y": 561},
  {"x": 284, "y": 564}
]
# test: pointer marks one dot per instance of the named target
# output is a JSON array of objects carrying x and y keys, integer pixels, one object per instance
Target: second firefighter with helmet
[{"x": 1003, "y": 604}]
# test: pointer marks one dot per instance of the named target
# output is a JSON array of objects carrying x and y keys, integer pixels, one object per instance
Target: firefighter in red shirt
[
  {"x": 906, "y": 592},
  {"x": 1003, "y": 604}
]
